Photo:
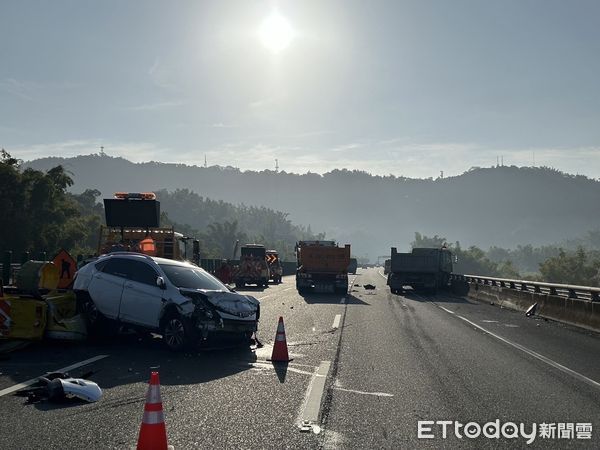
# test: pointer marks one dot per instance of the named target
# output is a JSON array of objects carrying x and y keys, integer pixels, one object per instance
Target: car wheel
[
  {"x": 97, "y": 325},
  {"x": 177, "y": 332}
]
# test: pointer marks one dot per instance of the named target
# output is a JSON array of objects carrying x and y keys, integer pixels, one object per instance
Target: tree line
[
  {"x": 39, "y": 214},
  {"x": 575, "y": 261}
]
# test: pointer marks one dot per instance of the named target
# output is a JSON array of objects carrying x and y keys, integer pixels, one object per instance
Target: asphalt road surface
[{"x": 367, "y": 369}]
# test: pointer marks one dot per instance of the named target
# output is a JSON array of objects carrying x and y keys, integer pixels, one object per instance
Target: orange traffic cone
[
  {"x": 153, "y": 434},
  {"x": 280, "y": 350}
]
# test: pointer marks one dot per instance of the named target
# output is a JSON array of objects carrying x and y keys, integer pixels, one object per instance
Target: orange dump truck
[{"x": 322, "y": 266}]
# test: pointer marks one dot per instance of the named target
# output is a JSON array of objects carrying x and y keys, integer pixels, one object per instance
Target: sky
[{"x": 409, "y": 88}]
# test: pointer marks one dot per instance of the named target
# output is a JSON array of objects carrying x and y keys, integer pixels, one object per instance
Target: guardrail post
[
  {"x": 6, "y": 266},
  {"x": 524, "y": 287},
  {"x": 502, "y": 284},
  {"x": 537, "y": 289},
  {"x": 512, "y": 285},
  {"x": 494, "y": 283},
  {"x": 572, "y": 293},
  {"x": 486, "y": 281},
  {"x": 553, "y": 291},
  {"x": 595, "y": 297}
]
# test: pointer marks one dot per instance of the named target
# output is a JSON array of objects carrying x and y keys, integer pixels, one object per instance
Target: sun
[{"x": 275, "y": 33}]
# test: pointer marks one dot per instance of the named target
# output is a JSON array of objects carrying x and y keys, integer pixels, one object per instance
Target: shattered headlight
[{"x": 201, "y": 304}]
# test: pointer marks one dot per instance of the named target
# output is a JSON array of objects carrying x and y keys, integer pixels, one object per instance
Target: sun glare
[{"x": 276, "y": 33}]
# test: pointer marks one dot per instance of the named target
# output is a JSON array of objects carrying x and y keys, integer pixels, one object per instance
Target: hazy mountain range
[{"x": 502, "y": 206}]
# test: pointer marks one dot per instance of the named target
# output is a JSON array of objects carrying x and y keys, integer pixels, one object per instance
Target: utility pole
[
  {"x": 102, "y": 150},
  {"x": 205, "y": 165},
  {"x": 502, "y": 160},
  {"x": 276, "y": 165}
]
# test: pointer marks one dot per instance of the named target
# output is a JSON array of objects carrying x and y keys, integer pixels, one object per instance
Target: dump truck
[
  {"x": 275, "y": 267},
  {"x": 353, "y": 265},
  {"x": 322, "y": 266},
  {"x": 386, "y": 266},
  {"x": 132, "y": 224},
  {"x": 424, "y": 269},
  {"x": 253, "y": 267}
]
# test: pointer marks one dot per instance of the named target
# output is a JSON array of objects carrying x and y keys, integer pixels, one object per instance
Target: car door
[
  {"x": 106, "y": 286},
  {"x": 141, "y": 301}
]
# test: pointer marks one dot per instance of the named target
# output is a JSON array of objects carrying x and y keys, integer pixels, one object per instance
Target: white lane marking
[
  {"x": 336, "y": 321},
  {"x": 260, "y": 365},
  {"x": 286, "y": 289},
  {"x": 311, "y": 407},
  {"x": 384, "y": 276},
  {"x": 536, "y": 355},
  {"x": 447, "y": 310},
  {"x": 376, "y": 394},
  {"x": 490, "y": 321},
  {"x": 27, "y": 383},
  {"x": 343, "y": 300},
  {"x": 266, "y": 296}
]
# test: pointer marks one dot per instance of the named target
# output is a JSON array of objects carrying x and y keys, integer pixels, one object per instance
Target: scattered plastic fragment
[{"x": 531, "y": 311}]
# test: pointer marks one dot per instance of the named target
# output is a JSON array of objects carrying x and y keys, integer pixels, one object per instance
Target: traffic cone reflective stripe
[
  {"x": 153, "y": 434},
  {"x": 153, "y": 417},
  {"x": 280, "y": 350},
  {"x": 153, "y": 394}
]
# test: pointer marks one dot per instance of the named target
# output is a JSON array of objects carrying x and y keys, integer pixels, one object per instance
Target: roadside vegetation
[
  {"x": 40, "y": 215},
  {"x": 575, "y": 261}
]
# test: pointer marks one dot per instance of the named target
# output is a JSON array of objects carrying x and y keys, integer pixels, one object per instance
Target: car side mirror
[{"x": 160, "y": 282}]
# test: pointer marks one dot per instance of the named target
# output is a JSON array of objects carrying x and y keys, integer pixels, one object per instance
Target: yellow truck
[
  {"x": 322, "y": 266},
  {"x": 167, "y": 243},
  {"x": 132, "y": 224}
]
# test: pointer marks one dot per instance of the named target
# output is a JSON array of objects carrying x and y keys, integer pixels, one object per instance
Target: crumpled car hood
[{"x": 230, "y": 302}]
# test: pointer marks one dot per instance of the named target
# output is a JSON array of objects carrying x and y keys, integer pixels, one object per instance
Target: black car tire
[
  {"x": 178, "y": 332},
  {"x": 96, "y": 323}
]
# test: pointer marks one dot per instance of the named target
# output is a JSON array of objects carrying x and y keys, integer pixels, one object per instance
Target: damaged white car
[{"x": 181, "y": 301}]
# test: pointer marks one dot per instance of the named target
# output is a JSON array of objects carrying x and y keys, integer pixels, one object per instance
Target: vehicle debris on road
[{"x": 58, "y": 387}]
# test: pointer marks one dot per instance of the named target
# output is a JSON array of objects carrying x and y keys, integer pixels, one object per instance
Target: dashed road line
[
  {"x": 28, "y": 383},
  {"x": 336, "y": 321},
  {"x": 354, "y": 391}
]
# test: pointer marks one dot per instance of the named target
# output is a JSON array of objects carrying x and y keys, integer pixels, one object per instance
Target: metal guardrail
[
  {"x": 14, "y": 270},
  {"x": 589, "y": 293}
]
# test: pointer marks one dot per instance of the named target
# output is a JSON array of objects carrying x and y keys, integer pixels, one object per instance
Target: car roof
[{"x": 141, "y": 256}]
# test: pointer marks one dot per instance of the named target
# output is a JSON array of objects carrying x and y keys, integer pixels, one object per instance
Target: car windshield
[{"x": 191, "y": 278}]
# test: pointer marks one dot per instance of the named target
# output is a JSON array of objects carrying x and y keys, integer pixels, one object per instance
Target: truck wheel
[
  {"x": 178, "y": 333},
  {"x": 341, "y": 290}
]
